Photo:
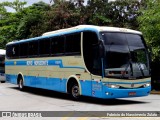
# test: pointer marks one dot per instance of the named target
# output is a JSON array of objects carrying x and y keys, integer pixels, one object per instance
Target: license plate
[{"x": 132, "y": 93}]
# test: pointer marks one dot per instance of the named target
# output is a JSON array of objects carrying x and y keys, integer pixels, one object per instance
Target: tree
[
  {"x": 62, "y": 14},
  {"x": 34, "y": 20},
  {"x": 32, "y": 17},
  {"x": 3, "y": 11},
  {"x": 9, "y": 21},
  {"x": 97, "y": 12},
  {"x": 124, "y": 13},
  {"x": 8, "y": 28},
  {"x": 150, "y": 26},
  {"x": 16, "y": 5}
]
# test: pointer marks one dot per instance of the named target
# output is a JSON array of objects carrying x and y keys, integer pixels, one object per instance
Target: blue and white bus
[
  {"x": 102, "y": 62},
  {"x": 2, "y": 65}
]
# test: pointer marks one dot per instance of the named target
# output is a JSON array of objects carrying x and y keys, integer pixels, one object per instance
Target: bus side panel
[
  {"x": 43, "y": 82},
  {"x": 11, "y": 78},
  {"x": 63, "y": 85},
  {"x": 86, "y": 87},
  {"x": 52, "y": 84},
  {"x": 27, "y": 80},
  {"x": 97, "y": 89}
]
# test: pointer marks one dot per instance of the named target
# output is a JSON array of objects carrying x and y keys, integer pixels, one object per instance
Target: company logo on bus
[{"x": 132, "y": 85}]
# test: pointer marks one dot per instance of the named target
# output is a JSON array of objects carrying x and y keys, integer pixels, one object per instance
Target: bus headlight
[
  {"x": 112, "y": 86},
  {"x": 147, "y": 85}
]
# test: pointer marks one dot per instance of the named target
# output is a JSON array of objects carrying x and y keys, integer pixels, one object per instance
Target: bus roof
[
  {"x": 80, "y": 28},
  {"x": 94, "y": 28},
  {"x": 2, "y": 52}
]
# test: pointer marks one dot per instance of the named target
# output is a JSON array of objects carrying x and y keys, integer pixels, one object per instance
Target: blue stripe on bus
[
  {"x": 57, "y": 84},
  {"x": 40, "y": 63},
  {"x": 88, "y": 87}
]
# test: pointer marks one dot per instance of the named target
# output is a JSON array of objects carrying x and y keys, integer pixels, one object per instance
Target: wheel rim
[
  {"x": 75, "y": 91},
  {"x": 21, "y": 84}
]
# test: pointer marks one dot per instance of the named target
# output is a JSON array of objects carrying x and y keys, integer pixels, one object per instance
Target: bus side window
[
  {"x": 57, "y": 45},
  {"x": 13, "y": 51},
  {"x": 33, "y": 48},
  {"x": 9, "y": 51},
  {"x": 23, "y": 50},
  {"x": 72, "y": 45},
  {"x": 44, "y": 47}
]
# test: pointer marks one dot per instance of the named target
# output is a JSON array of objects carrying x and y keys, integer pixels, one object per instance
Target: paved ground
[
  {"x": 155, "y": 92},
  {"x": 11, "y": 99}
]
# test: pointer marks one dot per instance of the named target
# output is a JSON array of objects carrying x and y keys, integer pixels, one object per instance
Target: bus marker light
[
  {"x": 78, "y": 75},
  {"x": 107, "y": 93}
]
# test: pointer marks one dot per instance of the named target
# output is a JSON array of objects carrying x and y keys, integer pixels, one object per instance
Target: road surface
[{"x": 12, "y": 99}]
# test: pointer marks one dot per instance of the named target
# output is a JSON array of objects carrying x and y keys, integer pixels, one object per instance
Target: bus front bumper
[{"x": 123, "y": 93}]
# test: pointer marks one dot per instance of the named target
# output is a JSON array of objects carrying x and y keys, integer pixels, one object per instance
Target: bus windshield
[
  {"x": 2, "y": 59},
  {"x": 126, "y": 55}
]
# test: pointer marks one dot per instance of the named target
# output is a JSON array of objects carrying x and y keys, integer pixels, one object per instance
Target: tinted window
[
  {"x": 73, "y": 43},
  {"x": 57, "y": 45},
  {"x": 91, "y": 52},
  {"x": 9, "y": 51},
  {"x": 13, "y": 51},
  {"x": 2, "y": 61},
  {"x": 33, "y": 48},
  {"x": 115, "y": 42},
  {"x": 135, "y": 42},
  {"x": 23, "y": 49},
  {"x": 44, "y": 46}
]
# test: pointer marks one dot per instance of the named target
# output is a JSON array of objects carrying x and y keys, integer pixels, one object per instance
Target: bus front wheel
[
  {"x": 75, "y": 92},
  {"x": 21, "y": 84}
]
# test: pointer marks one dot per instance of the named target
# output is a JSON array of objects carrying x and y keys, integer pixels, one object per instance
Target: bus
[
  {"x": 2, "y": 65},
  {"x": 85, "y": 60}
]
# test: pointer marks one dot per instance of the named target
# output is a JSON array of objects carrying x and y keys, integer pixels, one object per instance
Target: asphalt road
[{"x": 12, "y": 99}]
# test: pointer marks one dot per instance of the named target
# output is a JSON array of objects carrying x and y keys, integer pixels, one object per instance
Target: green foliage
[
  {"x": 16, "y": 5},
  {"x": 8, "y": 27},
  {"x": 97, "y": 11},
  {"x": 31, "y": 18},
  {"x": 62, "y": 14},
  {"x": 123, "y": 13},
  {"x": 34, "y": 20},
  {"x": 150, "y": 26}
]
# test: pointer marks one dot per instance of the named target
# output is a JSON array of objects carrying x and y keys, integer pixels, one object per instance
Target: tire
[
  {"x": 75, "y": 92},
  {"x": 21, "y": 84}
]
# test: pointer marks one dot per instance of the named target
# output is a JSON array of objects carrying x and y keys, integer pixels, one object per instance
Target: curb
[{"x": 155, "y": 92}]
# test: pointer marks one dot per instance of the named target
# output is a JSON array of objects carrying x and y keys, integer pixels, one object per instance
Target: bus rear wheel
[{"x": 21, "y": 84}]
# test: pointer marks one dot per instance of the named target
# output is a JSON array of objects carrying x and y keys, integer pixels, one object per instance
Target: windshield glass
[
  {"x": 2, "y": 59},
  {"x": 125, "y": 55}
]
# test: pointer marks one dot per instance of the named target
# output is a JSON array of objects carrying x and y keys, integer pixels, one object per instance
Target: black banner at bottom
[{"x": 36, "y": 114}]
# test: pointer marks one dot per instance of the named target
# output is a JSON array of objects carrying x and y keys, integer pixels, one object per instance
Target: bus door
[{"x": 97, "y": 71}]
